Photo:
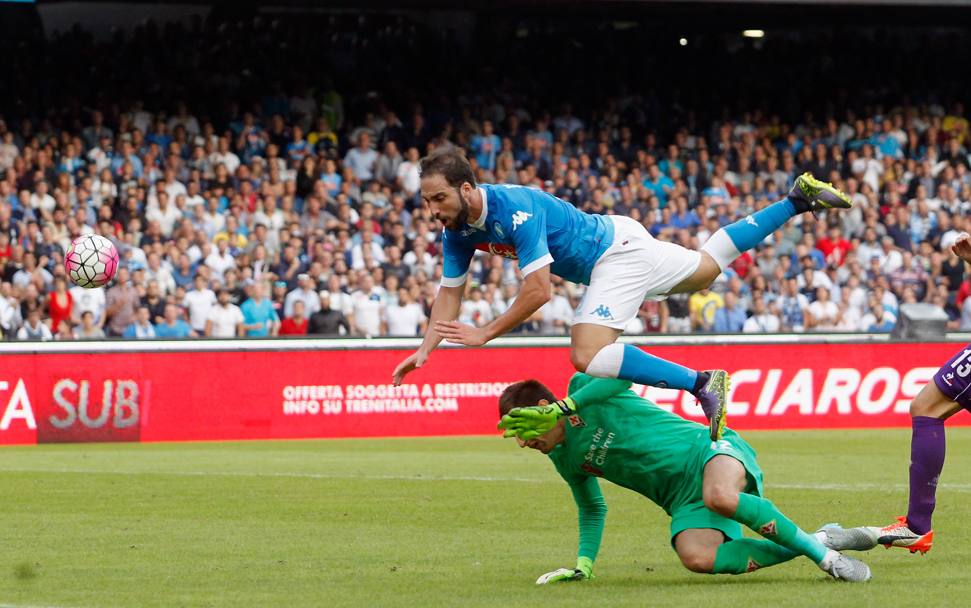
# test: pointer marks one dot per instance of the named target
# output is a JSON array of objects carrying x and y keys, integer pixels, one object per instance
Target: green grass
[{"x": 426, "y": 522}]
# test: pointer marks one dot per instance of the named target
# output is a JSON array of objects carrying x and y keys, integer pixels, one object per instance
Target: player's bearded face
[{"x": 462, "y": 218}]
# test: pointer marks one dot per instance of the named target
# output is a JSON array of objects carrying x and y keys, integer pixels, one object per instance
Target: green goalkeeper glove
[
  {"x": 582, "y": 572},
  {"x": 531, "y": 422}
]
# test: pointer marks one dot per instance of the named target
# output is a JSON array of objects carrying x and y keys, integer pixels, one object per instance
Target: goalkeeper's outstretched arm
[{"x": 591, "y": 512}]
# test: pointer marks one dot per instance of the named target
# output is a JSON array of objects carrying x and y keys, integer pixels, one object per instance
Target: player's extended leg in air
[
  {"x": 946, "y": 395},
  {"x": 638, "y": 266}
]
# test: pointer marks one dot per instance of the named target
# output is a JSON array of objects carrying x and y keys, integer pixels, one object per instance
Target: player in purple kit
[{"x": 949, "y": 393}]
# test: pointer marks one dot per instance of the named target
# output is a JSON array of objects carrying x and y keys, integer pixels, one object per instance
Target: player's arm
[
  {"x": 535, "y": 291},
  {"x": 591, "y": 514},
  {"x": 445, "y": 308}
]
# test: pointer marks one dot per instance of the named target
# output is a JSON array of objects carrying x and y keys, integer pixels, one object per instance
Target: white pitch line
[
  {"x": 277, "y": 474},
  {"x": 836, "y": 487},
  {"x": 28, "y": 606}
]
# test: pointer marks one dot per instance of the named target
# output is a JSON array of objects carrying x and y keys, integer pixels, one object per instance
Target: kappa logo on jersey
[
  {"x": 603, "y": 312},
  {"x": 506, "y": 251},
  {"x": 576, "y": 421},
  {"x": 768, "y": 529},
  {"x": 498, "y": 228},
  {"x": 751, "y": 220},
  {"x": 518, "y": 218}
]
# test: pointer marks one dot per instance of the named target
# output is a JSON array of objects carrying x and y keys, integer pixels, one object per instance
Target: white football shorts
[{"x": 635, "y": 267}]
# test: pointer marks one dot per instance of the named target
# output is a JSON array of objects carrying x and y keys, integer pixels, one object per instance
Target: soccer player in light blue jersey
[{"x": 615, "y": 256}]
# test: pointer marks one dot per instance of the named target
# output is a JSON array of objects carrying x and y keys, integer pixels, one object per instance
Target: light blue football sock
[
  {"x": 728, "y": 243},
  {"x": 751, "y": 230},
  {"x": 644, "y": 368}
]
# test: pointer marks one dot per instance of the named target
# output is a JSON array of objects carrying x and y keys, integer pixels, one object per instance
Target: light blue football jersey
[{"x": 532, "y": 226}]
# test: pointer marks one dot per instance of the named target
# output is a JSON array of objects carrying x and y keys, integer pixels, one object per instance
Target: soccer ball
[{"x": 91, "y": 261}]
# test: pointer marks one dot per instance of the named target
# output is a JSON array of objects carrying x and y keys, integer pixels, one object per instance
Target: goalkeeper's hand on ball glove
[
  {"x": 531, "y": 422},
  {"x": 582, "y": 572}
]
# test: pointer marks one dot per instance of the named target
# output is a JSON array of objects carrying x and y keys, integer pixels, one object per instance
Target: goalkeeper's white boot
[
  {"x": 844, "y": 568},
  {"x": 846, "y": 539}
]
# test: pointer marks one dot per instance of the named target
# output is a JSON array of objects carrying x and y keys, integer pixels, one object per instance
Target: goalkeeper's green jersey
[{"x": 633, "y": 443}]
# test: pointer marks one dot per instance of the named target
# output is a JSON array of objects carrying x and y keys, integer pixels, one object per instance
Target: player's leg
[
  {"x": 940, "y": 399},
  {"x": 928, "y": 412},
  {"x": 633, "y": 267},
  {"x": 594, "y": 350},
  {"x": 726, "y": 245},
  {"x": 723, "y": 492},
  {"x": 709, "y": 542}
]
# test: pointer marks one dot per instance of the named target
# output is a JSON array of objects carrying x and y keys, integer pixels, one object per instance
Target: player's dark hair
[
  {"x": 451, "y": 164},
  {"x": 527, "y": 392}
]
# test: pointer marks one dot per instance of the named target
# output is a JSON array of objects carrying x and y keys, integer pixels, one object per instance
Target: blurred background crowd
[{"x": 259, "y": 177}]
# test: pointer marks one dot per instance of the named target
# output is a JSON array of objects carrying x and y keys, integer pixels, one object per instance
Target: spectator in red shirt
[
  {"x": 834, "y": 246},
  {"x": 297, "y": 324},
  {"x": 59, "y": 303},
  {"x": 5, "y": 250}
]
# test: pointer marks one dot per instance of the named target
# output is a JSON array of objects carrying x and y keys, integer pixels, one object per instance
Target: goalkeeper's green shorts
[{"x": 691, "y": 512}]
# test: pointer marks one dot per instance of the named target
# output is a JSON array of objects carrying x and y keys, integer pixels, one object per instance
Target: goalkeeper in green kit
[{"x": 710, "y": 489}]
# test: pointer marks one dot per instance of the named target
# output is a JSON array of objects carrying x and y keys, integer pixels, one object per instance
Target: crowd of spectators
[{"x": 299, "y": 214}]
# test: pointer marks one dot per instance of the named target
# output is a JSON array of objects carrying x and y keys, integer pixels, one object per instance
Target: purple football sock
[{"x": 926, "y": 462}]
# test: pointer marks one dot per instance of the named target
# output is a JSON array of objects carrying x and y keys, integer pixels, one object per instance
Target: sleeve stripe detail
[{"x": 546, "y": 260}]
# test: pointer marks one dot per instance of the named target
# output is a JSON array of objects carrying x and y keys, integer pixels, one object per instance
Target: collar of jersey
[{"x": 480, "y": 223}]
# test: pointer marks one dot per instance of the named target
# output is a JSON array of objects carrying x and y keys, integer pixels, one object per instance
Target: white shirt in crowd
[
  {"x": 309, "y": 297},
  {"x": 166, "y": 218},
  {"x": 410, "y": 179},
  {"x": 824, "y": 314},
  {"x": 89, "y": 300},
  {"x": 224, "y": 320},
  {"x": 404, "y": 320},
  {"x": 41, "y": 332},
  {"x": 199, "y": 303},
  {"x": 764, "y": 323},
  {"x": 367, "y": 312},
  {"x": 557, "y": 309},
  {"x": 220, "y": 263},
  {"x": 162, "y": 276},
  {"x": 475, "y": 312}
]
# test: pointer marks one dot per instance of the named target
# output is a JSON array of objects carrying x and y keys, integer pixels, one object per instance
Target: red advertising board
[{"x": 175, "y": 396}]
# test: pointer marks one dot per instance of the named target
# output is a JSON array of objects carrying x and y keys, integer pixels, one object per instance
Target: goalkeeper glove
[
  {"x": 582, "y": 572},
  {"x": 531, "y": 422}
]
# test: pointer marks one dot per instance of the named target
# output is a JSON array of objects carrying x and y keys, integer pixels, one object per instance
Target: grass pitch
[{"x": 428, "y": 522}]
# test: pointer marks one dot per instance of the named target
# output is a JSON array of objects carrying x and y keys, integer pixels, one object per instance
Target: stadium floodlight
[{"x": 753, "y": 33}]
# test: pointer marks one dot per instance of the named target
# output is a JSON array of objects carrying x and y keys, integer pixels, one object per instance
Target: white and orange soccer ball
[{"x": 91, "y": 261}]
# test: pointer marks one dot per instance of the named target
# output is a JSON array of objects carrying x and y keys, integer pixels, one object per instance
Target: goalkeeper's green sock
[
  {"x": 747, "y": 554},
  {"x": 761, "y": 515}
]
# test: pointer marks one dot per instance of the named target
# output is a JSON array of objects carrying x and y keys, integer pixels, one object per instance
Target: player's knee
[
  {"x": 580, "y": 359},
  {"x": 919, "y": 408},
  {"x": 930, "y": 402},
  {"x": 722, "y": 499},
  {"x": 698, "y": 560}
]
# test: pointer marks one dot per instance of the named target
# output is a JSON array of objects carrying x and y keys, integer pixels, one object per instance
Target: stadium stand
[{"x": 294, "y": 205}]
